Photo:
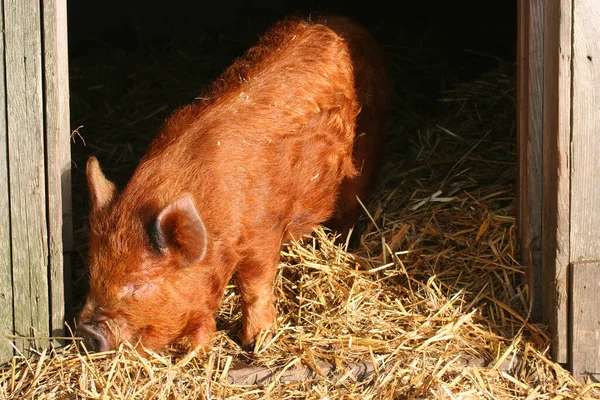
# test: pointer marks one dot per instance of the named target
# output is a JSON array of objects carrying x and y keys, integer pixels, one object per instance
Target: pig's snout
[{"x": 94, "y": 338}]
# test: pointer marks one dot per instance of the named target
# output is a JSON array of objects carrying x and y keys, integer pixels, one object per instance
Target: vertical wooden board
[
  {"x": 556, "y": 175},
  {"x": 585, "y": 351},
  {"x": 536, "y": 120},
  {"x": 522, "y": 112},
  {"x": 6, "y": 297},
  {"x": 58, "y": 157},
  {"x": 585, "y": 147},
  {"x": 26, "y": 167},
  {"x": 535, "y": 148},
  {"x": 530, "y": 122}
]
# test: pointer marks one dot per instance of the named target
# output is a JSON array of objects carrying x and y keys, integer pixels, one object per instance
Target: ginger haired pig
[{"x": 284, "y": 140}]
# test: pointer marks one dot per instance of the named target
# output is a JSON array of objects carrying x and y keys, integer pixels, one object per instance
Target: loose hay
[{"x": 430, "y": 303}]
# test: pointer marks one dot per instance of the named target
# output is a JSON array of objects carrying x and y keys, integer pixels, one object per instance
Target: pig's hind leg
[{"x": 348, "y": 209}]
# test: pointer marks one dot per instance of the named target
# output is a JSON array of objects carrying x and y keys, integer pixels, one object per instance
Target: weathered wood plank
[
  {"x": 584, "y": 351},
  {"x": 522, "y": 112},
  {"x": 6, "y": 297},
  {"x": 585, "y": 147},
  {"x": 58, "y": 158},
  {"x": 26, "y": 167},
  {"x": 556, "y": 186},
  {"x": 530, "y": 80}
]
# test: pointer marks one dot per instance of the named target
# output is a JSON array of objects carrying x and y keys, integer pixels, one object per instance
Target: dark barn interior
[{"x": 133, "y": 62}]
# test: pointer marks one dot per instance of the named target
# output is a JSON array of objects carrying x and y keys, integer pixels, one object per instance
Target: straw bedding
[{"x": 426, "y": 300}]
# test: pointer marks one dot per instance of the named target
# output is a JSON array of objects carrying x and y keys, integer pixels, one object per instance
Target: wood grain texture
[
  {"x": 556, "y": 172},
  {"x": 26, "y": 167},
  {"x": 530, "y": 80},
  {"x": 584, "y": 351},
  {"x": 58, "y": 158},
  {"x": 522, "y": 125},
  {"x": 6, "y": 297},
  {"x": 585, "y": 147}
]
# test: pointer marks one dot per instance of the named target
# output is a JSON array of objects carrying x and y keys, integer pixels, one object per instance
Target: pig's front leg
[
  {"x": 202, "y": 334},
  {"x": 255, "y": 282}
]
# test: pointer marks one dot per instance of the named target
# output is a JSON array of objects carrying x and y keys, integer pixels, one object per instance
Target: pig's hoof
[
  {"x": 199, "y": 350},
  {"x": 260, "y": 342}
]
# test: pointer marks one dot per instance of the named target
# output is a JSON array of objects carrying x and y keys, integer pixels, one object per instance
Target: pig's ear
[
  {"x": 179, "y": 230},
  {"x": 102, "y": 191}
]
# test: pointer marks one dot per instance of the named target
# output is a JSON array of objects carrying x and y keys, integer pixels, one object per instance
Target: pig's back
[{"x": 268, "y": 146}]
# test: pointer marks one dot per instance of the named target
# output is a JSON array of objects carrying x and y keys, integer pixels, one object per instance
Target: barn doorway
[{"x": 452, "y": 136}]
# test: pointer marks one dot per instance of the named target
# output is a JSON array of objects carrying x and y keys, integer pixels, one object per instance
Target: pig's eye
[
  {"x": 132, "y": 289},
  {"x": 141, "y": 289},
  {"x": 135, "y": 287}
]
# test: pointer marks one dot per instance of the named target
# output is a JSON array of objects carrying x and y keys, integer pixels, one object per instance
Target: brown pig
[{"x": 284, "y": 140}]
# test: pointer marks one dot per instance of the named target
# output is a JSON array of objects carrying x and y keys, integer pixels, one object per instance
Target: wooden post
[
  {"x": 530, "y": 79},
  {"x": 58, "y": 156},
  {"x": 585, "y": 351},
  {"x": 6, "y": 294},
  {"x": 557, "y": 179},
  {"x": 585, "y": 190},
  {"x": 34, "y": 156},
  {"x": 27, "y": 180}
]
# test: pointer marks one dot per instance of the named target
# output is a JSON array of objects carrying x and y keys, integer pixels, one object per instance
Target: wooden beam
[
  {"x": 6, "y": 295},
  {"x": 584, "y": 352},
  {"x": 58, "y": 158},
  {"x": 585, "y": 146},
  {"x": 584, "y": 251},
  {"x": 556, "y": 175},
  {"x": 26, "y": 167},
  {"x": 522, "y": 112},
  {"x": 530, "y": 79}
]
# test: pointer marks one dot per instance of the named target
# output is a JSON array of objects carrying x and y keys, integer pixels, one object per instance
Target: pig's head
[{"x": 148, "y": 280}]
